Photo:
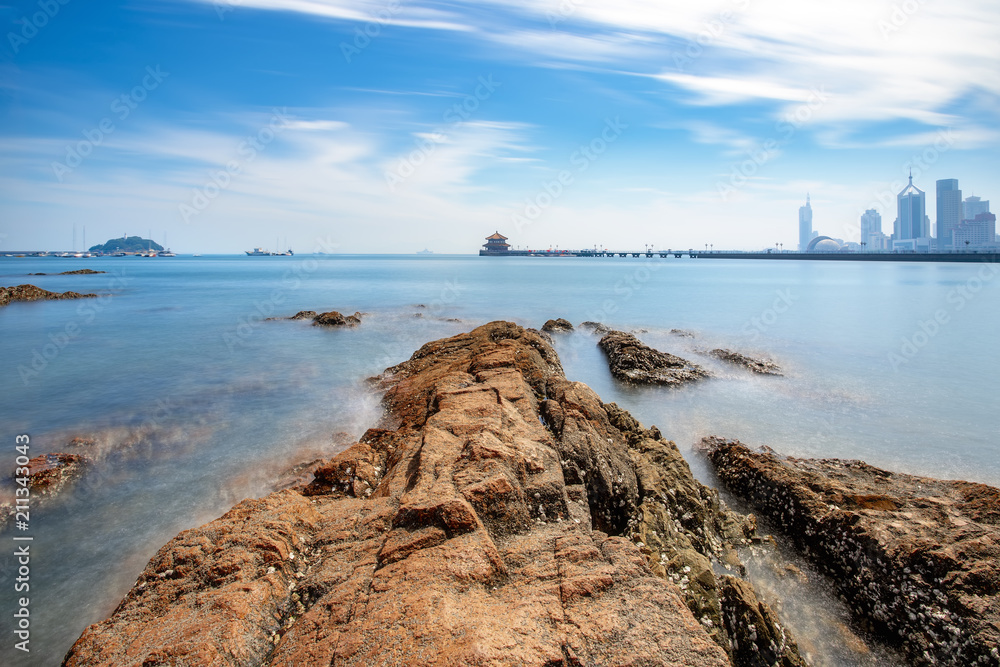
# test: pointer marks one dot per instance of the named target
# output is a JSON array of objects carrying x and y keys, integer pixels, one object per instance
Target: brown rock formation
[
  {"x": 595, "y": 327},
  {"x": 48, "y": 475},
  {"x": 51, "y": 472},
  {"x": 333, "y": 319},
  {"x": 304, "y": 315},
  {"x": 632, "y": 361},
  {"x": 32, "y": 293},
  {"x": 918, "y": 559},
  {"x": 756, "y": 634},
  {"x": 78, "y": 272},
  {"x": 491, "y": 521},
  {"x": 557, "y": 325},
  {"x": 762, "y": 366}
]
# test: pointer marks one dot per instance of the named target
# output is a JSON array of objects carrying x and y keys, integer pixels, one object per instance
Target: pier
[
  {"x": 497, "y": 246},
  {"x": 970, "y": 256}
]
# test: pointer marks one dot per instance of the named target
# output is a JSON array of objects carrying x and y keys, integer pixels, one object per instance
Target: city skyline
[
  {"x": 386, "y": 126},
  {"x": 960, "y": 223}
]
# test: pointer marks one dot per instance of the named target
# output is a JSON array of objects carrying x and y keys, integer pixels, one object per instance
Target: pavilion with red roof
[{"x": 496, "y": 244}]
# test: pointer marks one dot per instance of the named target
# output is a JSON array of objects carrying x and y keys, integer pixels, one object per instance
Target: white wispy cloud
[
  {"x": 876, "y": 60},
  {"x": 317, "y": 169}
]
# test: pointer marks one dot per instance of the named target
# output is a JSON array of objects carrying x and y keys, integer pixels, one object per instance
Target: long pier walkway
[{"x": 991, "y": 257}]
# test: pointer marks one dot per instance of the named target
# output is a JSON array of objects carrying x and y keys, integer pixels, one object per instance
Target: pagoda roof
[{"x": 496, "y": 235}]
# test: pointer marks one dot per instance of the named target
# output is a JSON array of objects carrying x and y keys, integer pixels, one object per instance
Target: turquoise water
[{"x": 195, "y": 402}]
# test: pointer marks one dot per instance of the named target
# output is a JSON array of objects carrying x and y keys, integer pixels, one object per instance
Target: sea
[{"x": 188, "y": 398}]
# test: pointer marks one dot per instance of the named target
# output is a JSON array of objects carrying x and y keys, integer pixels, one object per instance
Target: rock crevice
[{"x": 917, "y": 559}]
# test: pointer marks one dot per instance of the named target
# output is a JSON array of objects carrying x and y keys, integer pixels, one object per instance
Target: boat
[
  {"x": 168, "y": 253},
  {"x": 260, "y": 252}
]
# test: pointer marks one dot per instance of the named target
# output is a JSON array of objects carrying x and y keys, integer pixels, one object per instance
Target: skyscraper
[
  {"x": 949, "y": 212},
  {"x": 805, "y": 225},
  {"x": 871, "y": 227},
  {"x": 910, "y": 214},
  {"x": 973, "y": 206}
]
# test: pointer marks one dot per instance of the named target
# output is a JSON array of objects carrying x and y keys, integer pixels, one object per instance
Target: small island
[{"x": 129, "y": 245}]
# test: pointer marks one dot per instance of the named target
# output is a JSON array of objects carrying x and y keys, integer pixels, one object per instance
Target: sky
[{"x": 367, "y": 126}]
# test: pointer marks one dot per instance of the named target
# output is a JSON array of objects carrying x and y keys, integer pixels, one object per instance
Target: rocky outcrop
[
  {"x": 756, "y": 635},
  {"x": 49, "y": 473},
  {"x": 917, "y": 559},
  {"x": 632, "y": 361},
  {"x": 557, "y": 325},
  {"x": 495, "y": 518},
  {"x": 683, "y": 333},
  {"x": 32, "y": 293},
  {"x": 595, "y": 327},
  {"x": 762, "y": 366},
  {"x": 335, "y": 319},
  {"x": 47, "y": 476},
  {"x": 78, "y": 272},
  {"x": 328, "y": 319}
]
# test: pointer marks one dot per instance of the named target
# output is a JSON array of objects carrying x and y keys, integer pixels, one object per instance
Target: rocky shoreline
[
  {"x": 500, "y": 515},
  {"x": 917, "y": 559}
]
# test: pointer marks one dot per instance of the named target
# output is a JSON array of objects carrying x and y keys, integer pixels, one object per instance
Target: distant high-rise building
[
  {"x": 911, "y": 219},
  {"x": 975, "y": 233},
  {"x": 973, "y": 206},
  {"x": 871, "y": 228},
  {"x": 805, "y": 225},
  {"x": 949, "y": 212}
]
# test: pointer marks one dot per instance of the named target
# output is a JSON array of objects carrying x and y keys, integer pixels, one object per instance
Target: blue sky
[{"x": 394, "y": 125}]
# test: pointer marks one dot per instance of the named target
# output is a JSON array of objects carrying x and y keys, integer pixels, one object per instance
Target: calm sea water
[{"x": 194, "y": 402}]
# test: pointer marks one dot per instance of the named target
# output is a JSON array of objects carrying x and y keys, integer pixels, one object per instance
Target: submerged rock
[
  {"x": 335, "y": 319},
  {"x": 497, "y": 517},
  {"x": 48, "y": 475},
  {"x": 70, "y": 273},
  {"x": 682, "y": 333},
  {"x": 32, "y": 293},
  {"x": 631, "y": 360},
  {"x": 595, "y": 327},
  {"x": 762, "y": 366},
  {"x": 328, "y": 319},
  {"x": 557, "y": 325},
  {"x": 917, "y": 559}
]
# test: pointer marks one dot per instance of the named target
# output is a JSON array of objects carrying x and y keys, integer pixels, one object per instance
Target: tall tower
[
  {"x": 973, "y": 206},
  {"x": 949, "y": 212},
  {"x": 805, "y": 225},
  {"x": 871, "y": 226},
  {"x": 910, "y": 219}
]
